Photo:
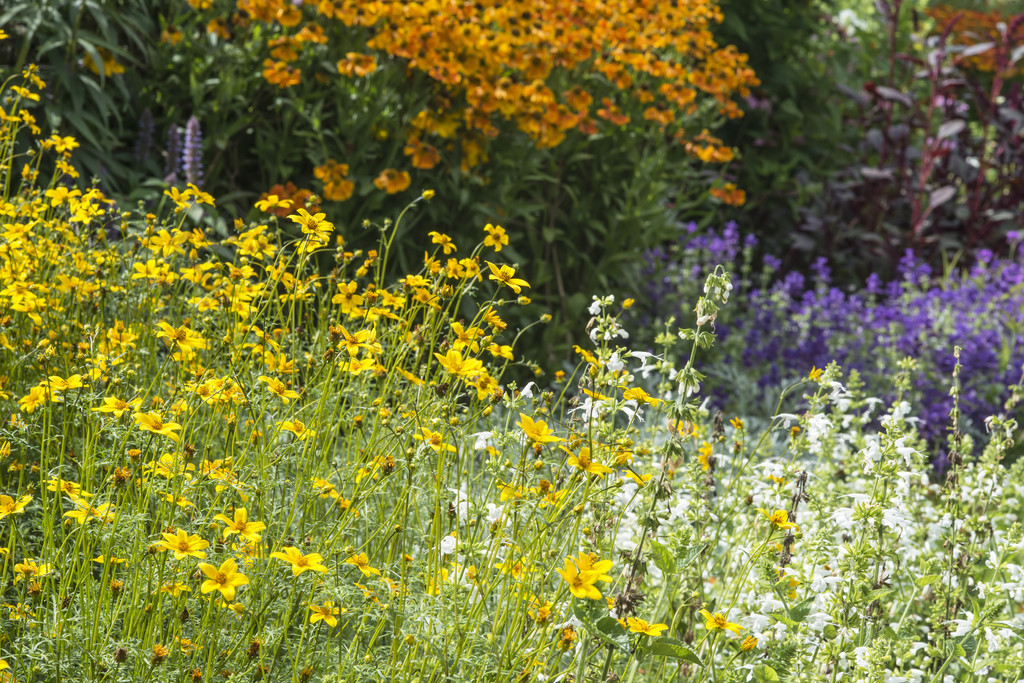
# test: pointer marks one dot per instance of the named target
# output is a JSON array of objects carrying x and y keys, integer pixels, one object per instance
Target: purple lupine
[
  {"x": 173, "y": 155},
  {"x": 192, "y": 152}
]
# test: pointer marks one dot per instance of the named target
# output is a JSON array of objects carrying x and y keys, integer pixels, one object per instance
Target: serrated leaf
[
  {"x": 799, "y": 611},
  {"x": 765, "y": 674},
  {"x": 663, "y": 559},
  {"x": 927, "y": 580},
  {"x": 958, "y": 650},
  {"x": 878, "y": 594},
  {"x": 829, "y": 632},
  {"x": 687, "y": 554},
  {"x": 674, "y": 649}
]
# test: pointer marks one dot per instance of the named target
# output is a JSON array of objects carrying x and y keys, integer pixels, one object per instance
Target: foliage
[
  {"x": 937, "y": 150},
  {"x": 512, "y": 111},
  {"x": 791, "y": 132},
  {"x": 94, "y": 56}
]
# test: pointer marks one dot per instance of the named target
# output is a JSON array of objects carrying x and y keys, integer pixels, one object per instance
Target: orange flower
[
  {"x": 392, "y": 181},
  {"x": 356, "y": 64}
]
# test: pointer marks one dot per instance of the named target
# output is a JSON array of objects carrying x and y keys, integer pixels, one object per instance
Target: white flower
[
  {"x": 614, "y": 363},
  {"x": 448, "y": 544},
  {"x": 527, "y": 391},
  {"x": 481, "y": 440}
]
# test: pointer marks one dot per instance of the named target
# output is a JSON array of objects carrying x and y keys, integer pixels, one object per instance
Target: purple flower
[{"x": 192, "y": 152}]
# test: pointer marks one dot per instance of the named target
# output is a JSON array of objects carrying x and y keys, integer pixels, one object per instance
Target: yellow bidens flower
[
  {"x": 224, "y": 579},
  {"x": 325, "y": 613},
  {"x": 537, "y": 431},
  {"x": 582, "y": 572},
  {"x": 152, "y": 422},
  {"x": 241, "y": 525},
  {"x": 434, "y": 440},
  {"x": 279, "y": 388},
  {"x": 506, "y": 275},
  {"x": 718, "y": 621},
  {"x": 183, "y": 544},
  {"x": 443, "y": 240},
  {"x": 28, "y": 569},
  {"x": 9, "y": 506},
  {"x": 585, "y": 462},
  {"x": 496, "y": 237},
  {"x": 318, "y": 229},
  {"x": 298, "y": 428},
  {"x": 362, "y": 562},
  {"x": 640, "y": 626},
  {"x": 779, "y": 519},
  {"x": 299, "y": 562}
]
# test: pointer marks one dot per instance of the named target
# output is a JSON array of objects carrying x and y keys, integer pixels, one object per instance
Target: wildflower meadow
[{"x": 480, "y": 342}]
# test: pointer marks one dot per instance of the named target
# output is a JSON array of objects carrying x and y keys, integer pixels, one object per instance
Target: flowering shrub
[
  {"x": 791, "y": 322},
  {"x": 217, "y": 462}
]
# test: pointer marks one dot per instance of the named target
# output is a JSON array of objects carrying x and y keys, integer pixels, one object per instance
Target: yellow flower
[
  {"x": 704, "y": 457},
  {"x": 28, "y": 569},
  {"x": 298, "y": 428},
  {"x": 104, "y": 513},
  {"x": 272, "y": 202},
  {"x": 749, "y": 643},
  {"x": 116, "y": 406},
  {"x": 585, "y": 462},
  {"x": 362, "y": 563},
  {"x": 640, "y": 626},
  {"x": 455, "y": 364},
  {"x": 183, "y": 544},
  {"x": 581, "y": 583},
  {"x": 505, "y": 275},
  {"x": 537, "y": 431},
  {"x": 313, "y": 225},
  {"x": 325, "y": 613},
  {"x": 640, "y": 396},
  {"x": 300, "y": 563},
  {"x": 815, "y": 374},
  {"x": 279, "y": 388},
  {"x": 175, "y": 589},
  {"x": 152, "y": 422},
  {"x": 779, "y": 519},
  {"x": 444, "y": 240},
  {"x": 717, "y": 621},
  {"x": 224, "y": 579},
  {"x": 496, "y": 237},
  {"x": 9, "y": 506},
  {"x": 434, "y": 440},
  {"x": 241, "y": 525}
]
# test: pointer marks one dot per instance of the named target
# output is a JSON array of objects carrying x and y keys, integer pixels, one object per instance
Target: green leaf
[
  {"x": 927, "y": 580},
  {"x": 663, "y": 559},
  {"x": 765, "y": 674},
  {"x": 958, "y": 650},
  {"x": 800, "y": 610},
  {"x": 829, "y": 632},
  {"x": 687, "y": 554},
  {"x": 782, "y": 618},
  {"x": 674, "y": 649}
]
